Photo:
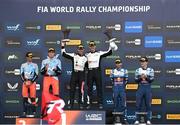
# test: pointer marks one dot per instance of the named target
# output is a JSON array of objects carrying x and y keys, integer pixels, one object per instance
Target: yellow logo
[
  {"x": 73, "y": 42},
  {"x": 53, "y": 27},
  {"x": 131, "y": 86},
  {"x": 108, "y": 71},
  {"x": 156, "y": 101},
  {"x": 173, "y": 116}
]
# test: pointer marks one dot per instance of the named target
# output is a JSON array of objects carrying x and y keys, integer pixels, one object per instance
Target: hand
[
  {"x": 63, "y": 43},
  {"x": 28, "y": 82},
  {"x": 55, "y": 69},
  {"x": 46, "y": 66},
  {"x": 143, "y": 77}
]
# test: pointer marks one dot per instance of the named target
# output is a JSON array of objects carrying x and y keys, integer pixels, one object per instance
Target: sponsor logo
[
  {"x": 36, "y": 56},
  {"x": 15, "y": 71},
  {"x": 68, "y": 73},
  {"x": 158, "y": 116},
  {"x": 153, "y": 41},
  {"x": 132, "y": 117},
  {"x": 155, "y": 86},
  {"x": 73, "y": 42},
  {"x": 113, "y": 57},
  {"x": 173, "y": 116},
  {"x": 133, "y": 41},
  {"x": 115, "y": 41},
  {"x": 172, "y": 27},
  {"x": 12, "y": 57},
  {"x": 131, "y": 72},
  {"x": 136, "y": 56},
  {"x": 12, "y": 42},
  {"x": 131, "y": 86},
  {"x": 172, "y": 56},
  {"x": 35, "y": 42},
  {"x": 173, "y": 71},
  {"x": 58, "y": 104},
  {"x": 131, "y": 101},
  {"x": 53, "y": 27},
  {"x": 153, "y": 102},
  {"x": 93, "y": 117},
  {"x": 116, "y": 27},
  {"x": 38, "y": 87},
  {"x": 52, "y": 42},
  {"x": 157, "y": 71},
  {"x": 94, "y": 87},
  {"x": 109, "y": 102},
  {"x": 153, "y": 27},
  {"x": 156, "y": 101},
  {"x": 108, "y": 86},
  {"x": 12, "y": 101},
  {"x": 13, "y": 27},
  {"x": 133, "y": 56},
  {"x": 172, "y": 86},
  {"x": 93, "y": 27},
  {"x": 73, "y": 27},
  {"x": 174, "y": 101},
  {"x": 32, "y": 27},
  {"x": 133, "y": 27},
  {"x": 173, "y": 41},
  {"x": 95, "y": 41},
  {"x": 11, "y": 115},
  {"x": 155, "y": 56},
  {"x": 108, "y": 71},
  {"x": 12, "y": 87}
]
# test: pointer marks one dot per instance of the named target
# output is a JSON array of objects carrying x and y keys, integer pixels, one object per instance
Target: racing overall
[
  {"x": 119, "y": 79},
  {"x": 94, "y": 72},
  {"x": 51, "y": 74},
  {"x": 29, "y": 73},
  {"x": 144, "y": 91},
  {"x": 50, "y": 79},
  {"x": 78, "y": 75}
]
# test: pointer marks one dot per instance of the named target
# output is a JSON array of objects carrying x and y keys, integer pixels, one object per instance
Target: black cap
[
  {"x": 143, "y": 59},
  {"x": 92, "y": 43},
  {"x": 81, "y": 47},
  {"x": 29, "y": 54},
  {"x": 118, "y": 61},
  {"x": 51, "y": 50}
]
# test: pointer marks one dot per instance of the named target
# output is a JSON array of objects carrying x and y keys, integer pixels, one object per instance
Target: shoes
[
  {"x": 100, "y": 106},
  {"x": 136, "y": 122},
  {"x": 81, "y": 106},
  {"x": 148, "y": 122},
  {"x": 88, "y": 107},
  {"x": 70, "y": 106},
  {"x": 125, "y": 122},
  {"x": 24, "y": 114},
  {"x": 30, "y": 116}
]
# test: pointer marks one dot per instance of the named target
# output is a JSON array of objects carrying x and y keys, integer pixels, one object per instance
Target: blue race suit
[
  {"x": 144, "y": 90},
  {"x": 119, "y": 78}
]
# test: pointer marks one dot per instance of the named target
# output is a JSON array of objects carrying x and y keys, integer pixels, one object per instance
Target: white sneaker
[
  {"x": 136, "y": 122},
  {"x": 148, "y": 122},
  {"x": 117, "y": 123}
]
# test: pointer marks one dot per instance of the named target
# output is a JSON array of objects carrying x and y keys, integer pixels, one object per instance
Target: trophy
[
  {"x": 66, "y": 35},
  {"x": 108, "y": 33},
  {"x": 112, "y": 44}
]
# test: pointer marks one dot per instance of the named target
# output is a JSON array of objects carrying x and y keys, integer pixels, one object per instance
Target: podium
[{"x": 70, "y": 117}]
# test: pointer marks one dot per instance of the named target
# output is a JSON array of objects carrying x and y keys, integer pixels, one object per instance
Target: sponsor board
[
  {"x": 133, "y": 27},
  {"x": 53, "y": 27}
]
